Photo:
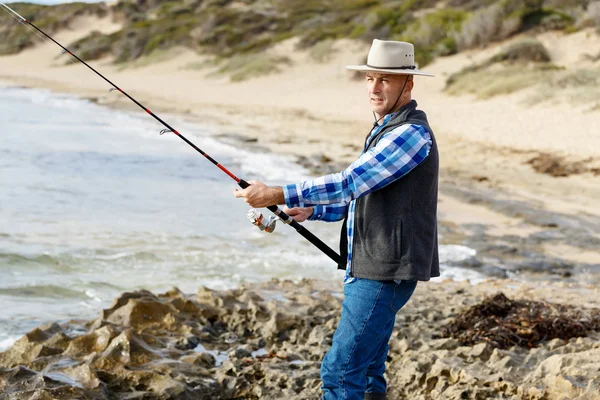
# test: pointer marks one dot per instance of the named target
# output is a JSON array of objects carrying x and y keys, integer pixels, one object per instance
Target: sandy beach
[{"x": 491, "y": 199}]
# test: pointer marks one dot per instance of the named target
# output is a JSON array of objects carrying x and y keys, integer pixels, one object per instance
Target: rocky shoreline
[{"x": 266, "y": 341}]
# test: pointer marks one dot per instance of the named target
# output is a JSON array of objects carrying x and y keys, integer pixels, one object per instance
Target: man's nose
[{"x": 375, "y": 87}]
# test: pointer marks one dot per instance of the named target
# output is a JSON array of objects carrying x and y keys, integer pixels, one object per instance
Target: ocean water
[{"x": 94, "y": 202}]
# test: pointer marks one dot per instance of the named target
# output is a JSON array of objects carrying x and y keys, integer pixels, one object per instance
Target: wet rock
[
  {"x": 40, "y": 342},
  {"x": 482, "y": 351},
  {"x": 445, "y": 344},
  {"x": 83, "y": 375},
  {"x": 187, "y": 343},
  {"x": 278, "y": 325},
  {"x": 320, "y": 334},
  {"x": 94, "y": 342},
  {"x": 205, "y": 360},
  {"x": 320, "y": 164},
  {"x": 241, "y": 352},
  {"x": 494, "y": 271},
  {"x": 556, "y": 166},
  {"x": 236, "y": 139},
  {"x": 126, "y": 349},
  {"x": 141, "y": 313}
]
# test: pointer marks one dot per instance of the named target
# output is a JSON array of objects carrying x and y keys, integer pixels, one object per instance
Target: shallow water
[{"x": 94, "y": 202}]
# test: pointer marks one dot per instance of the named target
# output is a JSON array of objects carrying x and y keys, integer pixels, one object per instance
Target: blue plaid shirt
[{"x": 395, "y": 155}]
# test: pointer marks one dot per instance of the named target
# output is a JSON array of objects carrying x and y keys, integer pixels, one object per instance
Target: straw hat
[{"x": 390, "y": 57}]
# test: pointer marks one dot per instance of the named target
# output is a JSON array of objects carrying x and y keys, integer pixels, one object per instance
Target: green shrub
[
  {"x": 325, "y": 33},
  {"x": 94, "y": 46},
  {"x": 322, "y": 51},
  {"x": 246, "y": 66},
  {"x": 434, "y": 34},
  {"x": 507, "y": 17},
  {"x": 167, "y": 7},
  {"x": 524, "y": 50},
  {"x": 482, "y": 27},
  {"x": 520, "y": 65},
  {"x": 546, "y": 19},
  {"x": 353, "y": 5},
  {"x": 357, "y": 32},
  {"x": 390, "y": 22},
  {"x": 579, "y": 78},
  {"x": 485, "y": 83},
  {"x": 15, "y": 37},
  {"x": 591, "y": 16}
]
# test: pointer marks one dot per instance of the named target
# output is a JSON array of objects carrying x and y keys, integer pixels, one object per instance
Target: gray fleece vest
[{"x": 395, "y": 228}]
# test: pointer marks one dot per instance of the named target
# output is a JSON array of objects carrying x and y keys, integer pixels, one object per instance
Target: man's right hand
[{"x": 299, "y": 214}]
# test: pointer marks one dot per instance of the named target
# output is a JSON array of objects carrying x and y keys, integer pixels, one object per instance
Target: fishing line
[
  {"x": 242, "y": 183},
  {"x": 29, "y": 28}
]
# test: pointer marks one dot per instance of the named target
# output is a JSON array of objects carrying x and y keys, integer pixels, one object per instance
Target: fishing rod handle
[{"x": 308, "y": 235}]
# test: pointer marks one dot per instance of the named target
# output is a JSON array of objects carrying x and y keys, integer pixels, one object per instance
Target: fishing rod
[{"x": 254, "y": 215}]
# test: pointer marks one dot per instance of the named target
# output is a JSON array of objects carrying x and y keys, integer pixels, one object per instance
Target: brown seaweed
[{"x": 504, "y": 323}]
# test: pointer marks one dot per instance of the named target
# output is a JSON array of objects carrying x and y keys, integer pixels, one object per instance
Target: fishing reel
[{"x": 263, "y": 223}]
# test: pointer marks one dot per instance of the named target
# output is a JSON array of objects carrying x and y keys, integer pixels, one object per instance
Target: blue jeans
[{"x": 356, "y": 361}]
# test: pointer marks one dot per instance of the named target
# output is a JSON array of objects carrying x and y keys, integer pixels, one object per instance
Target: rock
[
  {"x": 127, "y": 348},
  {"x": 445, "y": 344},
  {"x": 241, "y": 352},
  {"x": 83, "y": 375},
  {"x": 555, "y": 343},
  {"x": 482, "y": 351},
  {"x": 400, "y": 346},
  {"x": 278, "y": 324},
  {"x": 320, "y": 164},
  {"x": 320, "y": 334},
  {"x": 205, "y": 360},
  {"x": 40, "y": 342},
  {"x": 141, "y": 313},
  {"x": 94, "y": 342},
  {"x": 186, "y": 342}
]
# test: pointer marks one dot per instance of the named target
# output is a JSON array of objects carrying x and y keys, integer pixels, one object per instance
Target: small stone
[
  {"x": 482, "y": 350},
  {"x": 241, "y": 352},
  {"x": 445, "y": 344},
  {"x": 206, "y": 360},
  {"x": 555, "y": 343}
]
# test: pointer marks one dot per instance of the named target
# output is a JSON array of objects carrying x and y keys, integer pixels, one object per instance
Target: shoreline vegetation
[
  {"x": 515, "y": 108},
  {"x": 226, "y": 28}
]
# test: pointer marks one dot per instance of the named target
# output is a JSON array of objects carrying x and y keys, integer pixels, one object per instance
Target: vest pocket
[{"x": 383, "y": 239}]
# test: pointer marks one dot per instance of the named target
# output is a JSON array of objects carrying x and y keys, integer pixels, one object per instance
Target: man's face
[{"x": 384, "y": 90}]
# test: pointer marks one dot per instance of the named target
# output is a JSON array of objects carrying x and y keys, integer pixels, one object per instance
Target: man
[{"x": 388, "y": 200}]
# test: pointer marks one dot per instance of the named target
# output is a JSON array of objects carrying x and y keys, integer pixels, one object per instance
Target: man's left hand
[{"x": 260, "y": 195}]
